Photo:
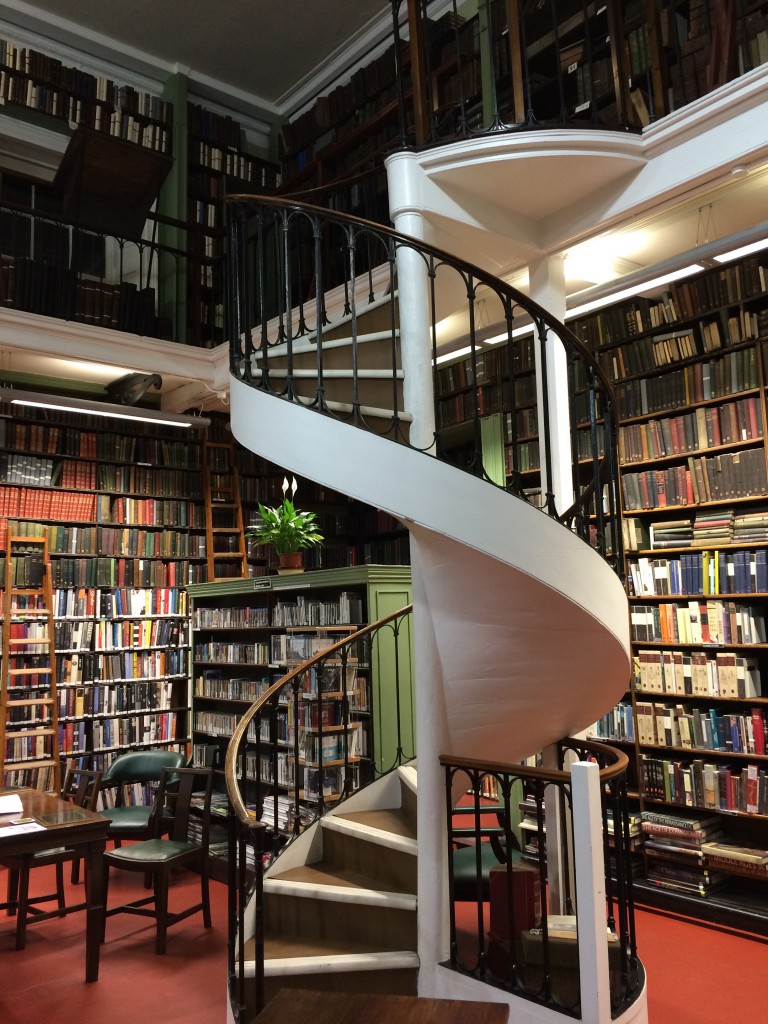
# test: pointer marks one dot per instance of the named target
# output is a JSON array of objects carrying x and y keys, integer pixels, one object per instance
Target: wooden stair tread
[
  {"x": 295, "y": 1006},
  {"x": 287, "y": 948},
  {"x": 325, "y": 874},
  {"x": 393, "y": 820}
]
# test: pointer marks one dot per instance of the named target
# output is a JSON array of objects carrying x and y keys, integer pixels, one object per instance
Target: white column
[
  {"x": 590, "y": 893},
  {"x": 413, "y": 301},
  {"x": 547, "y": 287}
]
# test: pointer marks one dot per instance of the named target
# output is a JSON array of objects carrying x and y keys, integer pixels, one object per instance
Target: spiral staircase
[{"x": 520, "y": 627}]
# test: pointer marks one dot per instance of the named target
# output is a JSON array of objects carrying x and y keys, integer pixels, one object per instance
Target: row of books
[
  {"x": 713, "y": 527},
  {"x": 107, "y": 447},
  {"x": 707, "y": 427},
  {"x": 246, "y": 617},
  {"x": 316, "y": 748},
  {"x": 346, "y": 609},
  {"x": 218, "y": 687},
  {"x": 35, "y": 504},
  {"x": 48, "y": 69},
  {"x": 119, "y": 603},
  {"x": 103, "y": 540},
  {"x": 124, "y": 572},
  {"x": 667, "y": 725},
  {"x": 701, "y": 572},
  {"x": 44, "y": 286},
  {"x": 722, "y": 286},
  {"x": 489, "y": 365},
  {"x": 233, "y": 653},
  {"x": 28, "y": 745},
  {"x": 740, "y": 474},
  {"x": 235, "y": 164},
  {"x": 98, "y": 699},
  {"x": 706, "y": 622},
  {"x": 120, "y": 666},
  {"x": 696, "y": 783},
  {"x": 697, "y": 674},
  {"x": 139, "y": 730},
  {"x": 145, "y": 480},
  {"x": 730, "y": 374}
]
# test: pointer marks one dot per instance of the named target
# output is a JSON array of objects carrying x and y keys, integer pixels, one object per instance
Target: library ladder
[
  {"x": 29, "y": 731},
  {"x": 224, "y": 534}
]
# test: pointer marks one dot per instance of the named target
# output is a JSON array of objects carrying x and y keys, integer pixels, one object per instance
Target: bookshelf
[
  {"x": 689, "y": 367},
  {"x": 507, "y": 431},
  {"x": 247, "y": 634},
  {"x": 29, "y": 749},
  {"x": 124, "y": 539}
]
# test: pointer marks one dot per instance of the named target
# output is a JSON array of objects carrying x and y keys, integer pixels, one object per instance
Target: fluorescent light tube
[
  {"x": 744, "y": 250},
  {"x": 635, "y": 289},
  {"x": 93, "y": 408}
]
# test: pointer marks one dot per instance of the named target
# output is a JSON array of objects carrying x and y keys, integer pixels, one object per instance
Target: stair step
[
  {"x": 305, "y": 343},
  {"x": 369, "y": 826},
  {"x": 288, "y": 956},
  {"x": 320, "y": 883},
  {"x": 394, "y": 821},
  {"x": 311, "y": 374}
]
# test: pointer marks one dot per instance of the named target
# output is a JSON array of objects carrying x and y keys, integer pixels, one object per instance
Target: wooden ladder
[
  {"x": 224, "y": 534},
  {"x": 29, "y": 669}
]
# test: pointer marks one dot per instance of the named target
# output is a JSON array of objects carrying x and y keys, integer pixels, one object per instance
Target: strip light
[
  {"x": 105, "y": 409},
  {"x": 744, "y": 250},
  {"x": 635, "y": 289}
]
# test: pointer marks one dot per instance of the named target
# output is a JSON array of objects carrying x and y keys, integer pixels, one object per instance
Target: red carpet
[
  {"x": 695, "y": 975},
  {"x": 45, "y": 981}
]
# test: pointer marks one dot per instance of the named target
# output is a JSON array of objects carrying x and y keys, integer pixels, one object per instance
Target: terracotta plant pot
[{"x": 290, "y": 561}]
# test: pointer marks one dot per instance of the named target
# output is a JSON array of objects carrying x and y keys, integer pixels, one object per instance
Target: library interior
[{"x": 383, "y": 505}]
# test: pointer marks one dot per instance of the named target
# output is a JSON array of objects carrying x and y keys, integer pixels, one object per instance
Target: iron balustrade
[
  {"x": 512, "y": 920},
  {"x": 146, "y": 286},
  {"x": 302, "y": 279},
  {"x": 280, "y": 737}
]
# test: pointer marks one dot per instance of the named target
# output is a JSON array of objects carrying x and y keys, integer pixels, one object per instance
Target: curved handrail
[
  {"x": 244, "y": 816},
  {"x": 292, "y": 235},
  {"x": 619, "y": 762}
]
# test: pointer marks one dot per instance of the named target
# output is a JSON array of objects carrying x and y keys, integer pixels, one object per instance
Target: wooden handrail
[
  {"x": 619, "y": 765},
  {"x": 244, "y": 816}
]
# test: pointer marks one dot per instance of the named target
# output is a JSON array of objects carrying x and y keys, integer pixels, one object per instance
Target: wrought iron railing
[
  {"x": 513, "y": 917},
  {"x": 300, "y": 277},
  {"x": 281, "y": 776},
  {"x": 146, "y": 286}
]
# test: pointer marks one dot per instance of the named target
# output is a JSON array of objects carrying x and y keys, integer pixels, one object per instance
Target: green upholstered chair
[
  {"x": 493, "y": 852},
  {"x": 80, "y": 787},
  {"x": 161, "y": 855},
  {"x": 129, "y": 820}
]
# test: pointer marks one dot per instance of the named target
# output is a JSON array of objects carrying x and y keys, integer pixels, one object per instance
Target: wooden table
[
  {"x": 65, "y": 825},
  {"x": 297, "y": 1006}
]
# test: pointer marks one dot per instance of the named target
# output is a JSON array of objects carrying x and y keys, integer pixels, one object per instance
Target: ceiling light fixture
[
  {"x": 635, "y": 289},
  {"x": 94, "y": 408},
  {"x": 744, "y": 250}
]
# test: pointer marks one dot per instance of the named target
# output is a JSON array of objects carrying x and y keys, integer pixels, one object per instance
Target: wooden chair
[
  {"x": 130, "y": 820},
  {"x": 80, "y": 787},
  {"x": 159, "y": 856}
]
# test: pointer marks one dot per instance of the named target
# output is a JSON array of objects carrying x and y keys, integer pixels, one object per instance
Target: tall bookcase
[
  {"x": 124, "y": 538},
  {"x": 246, "y": 634},
  {"x": 689, "y": 366},
  {"x": 29, "y": 740}
]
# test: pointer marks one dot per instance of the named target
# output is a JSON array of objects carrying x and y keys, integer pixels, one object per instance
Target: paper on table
[
  {"x": 16, "y": 830},
  {"x": 10, "y": 803}
]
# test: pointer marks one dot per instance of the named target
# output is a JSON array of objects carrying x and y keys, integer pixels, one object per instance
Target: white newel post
[{"x": 590, "y": 893}]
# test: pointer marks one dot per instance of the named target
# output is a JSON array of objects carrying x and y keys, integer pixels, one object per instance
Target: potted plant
[{"x": 287, "y": 530}]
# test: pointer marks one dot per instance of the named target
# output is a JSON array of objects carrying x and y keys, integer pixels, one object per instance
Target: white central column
[{"x": 413, "y": 301}]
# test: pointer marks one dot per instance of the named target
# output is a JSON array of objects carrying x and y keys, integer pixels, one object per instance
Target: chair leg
[
  {"x": 205, "y": 893},
  {"x": 161, "y": 907},
  {"x": 12, "y": 893},
  {"x": 104, "y": 895},
  {"x": 22, "y": 905},
  {"x": 60, "y": 889},
  {"x": 75, "y": 876}
]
